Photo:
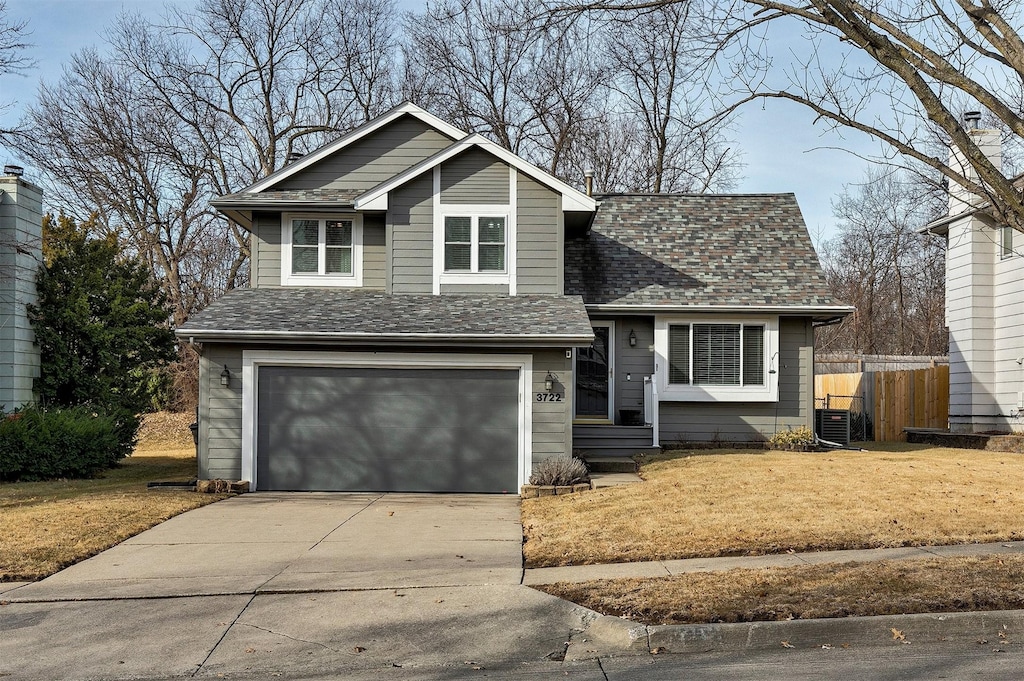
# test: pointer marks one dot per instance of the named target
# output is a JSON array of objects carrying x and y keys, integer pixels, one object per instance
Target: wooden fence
[{"x": 894, "y": 399}]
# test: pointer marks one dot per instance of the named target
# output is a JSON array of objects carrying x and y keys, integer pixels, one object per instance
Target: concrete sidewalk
[{"x": 667, "y": 568}]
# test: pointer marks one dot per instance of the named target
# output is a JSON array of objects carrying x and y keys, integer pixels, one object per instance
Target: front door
[{"x": 594, "y": 368}]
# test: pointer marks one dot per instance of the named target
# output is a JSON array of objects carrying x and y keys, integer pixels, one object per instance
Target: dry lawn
[
  {"x": 886, "y": 588},
  {"x": 743, "y": 503},
  {"x": 46, "y": 526}
]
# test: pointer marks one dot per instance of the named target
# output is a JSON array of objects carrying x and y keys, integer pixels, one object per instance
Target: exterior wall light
[
  {"x": 632, "y": 338},
  {"x": 549, "y": 382},
  {"x": 225, "y": 377}
]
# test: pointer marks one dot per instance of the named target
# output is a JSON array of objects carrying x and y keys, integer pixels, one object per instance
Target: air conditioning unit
[{"x": 833, "y": 425}]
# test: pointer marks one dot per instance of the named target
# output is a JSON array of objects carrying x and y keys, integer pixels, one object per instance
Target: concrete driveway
[{"x": 293, "y": 583}]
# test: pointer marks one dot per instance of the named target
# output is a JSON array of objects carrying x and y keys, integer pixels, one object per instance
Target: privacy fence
[{"x": 883, "y": 403}]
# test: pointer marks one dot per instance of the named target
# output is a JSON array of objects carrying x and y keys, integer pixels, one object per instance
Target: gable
[
  {"x": 474, "y": 177},
  {"x": 372, "y": 159}
]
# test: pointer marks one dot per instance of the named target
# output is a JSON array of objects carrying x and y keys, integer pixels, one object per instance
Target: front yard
[
  {"x": 742, "y": 503},
  {"x": 46, "y": 526}
]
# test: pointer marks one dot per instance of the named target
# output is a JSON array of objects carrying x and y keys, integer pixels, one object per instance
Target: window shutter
[
  {"x": 679, "y": 354},
  {"x": 753, "y": 355}
]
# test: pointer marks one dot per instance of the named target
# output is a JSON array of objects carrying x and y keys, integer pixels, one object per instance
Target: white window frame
[
  {"x": 1006, "y": 239},
  {"x": 289, "y": 278},
  {"x": 252, "y": 360},
  {"x": 674, "y": 392},
  {"x": 475, "y": 212},
  {"x": 474, "y": 242}
]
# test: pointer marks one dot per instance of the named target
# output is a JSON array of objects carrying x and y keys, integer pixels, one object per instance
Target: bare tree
[
  {"x": 616, "y": 97},
  {"x": 894, "y": 276},
  {"x": 659, "y": 61},
  {"x": 902, "y": 72},
  {"x": 202, "y": 103},
  {"x": 13, "y": 60}
]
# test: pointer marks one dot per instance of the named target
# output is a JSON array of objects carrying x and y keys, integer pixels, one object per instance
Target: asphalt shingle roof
[
  {"x": 689, "y": 249},
  {"x": 359, "y": 314}
]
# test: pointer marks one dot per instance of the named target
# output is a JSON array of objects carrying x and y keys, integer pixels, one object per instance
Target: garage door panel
[{"x": 362, "y": 429}]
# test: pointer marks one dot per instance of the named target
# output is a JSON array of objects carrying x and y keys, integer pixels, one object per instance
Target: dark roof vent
[
  {"x": 293, "y": 157},
  {"x": 16, "y": 171},
  {"x": 973, "y": 119}
]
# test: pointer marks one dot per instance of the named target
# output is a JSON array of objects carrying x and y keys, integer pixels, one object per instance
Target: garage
[{"x": 376, "y": 429}]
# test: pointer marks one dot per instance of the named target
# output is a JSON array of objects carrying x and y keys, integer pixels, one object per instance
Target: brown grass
[
  {"x": 743, "y": 595},
  {"x": 46, "y": 526},
  {"x": 747, "y": 503}
]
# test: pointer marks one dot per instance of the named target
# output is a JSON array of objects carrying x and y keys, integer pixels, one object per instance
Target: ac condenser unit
[{"x": 833, "y": 425}]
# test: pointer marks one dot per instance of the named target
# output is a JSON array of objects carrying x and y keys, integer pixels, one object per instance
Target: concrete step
[
  {"x": 610, "y": 464},
  {"x": 610, "y": 441}
]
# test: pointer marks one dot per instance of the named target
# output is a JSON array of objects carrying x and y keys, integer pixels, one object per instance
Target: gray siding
[
  {"x": 552, "y": 421},
  {"x": 265, "y": 246},
  {"x": 632, "y": 363},
  {"x": 374, "y": 252},
  {"x": 220, "y": 413},
  {"x": 492, "y": 289},
  {"x": 539, "y": 224},
  {"x": 412, "y": 237},
  {"x": 474, "y": 177},
  {"x": 753, "y": 421},
  {"x": 374, "y": 159}
]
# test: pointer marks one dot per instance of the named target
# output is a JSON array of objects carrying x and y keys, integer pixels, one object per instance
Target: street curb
[{"x": 610, "y": 635}]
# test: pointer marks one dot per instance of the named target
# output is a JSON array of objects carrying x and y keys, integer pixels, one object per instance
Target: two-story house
[{"x": 430, "y": 312}]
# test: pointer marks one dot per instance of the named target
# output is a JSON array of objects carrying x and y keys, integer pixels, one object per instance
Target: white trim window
[
  {"x": 475, "y": 243},
  {"x": 318, "y": 250},
  {"x": 1005, "y": 242},
  {"x": 701, "y": 359}
]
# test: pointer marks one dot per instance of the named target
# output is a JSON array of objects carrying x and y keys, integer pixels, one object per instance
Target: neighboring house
[
  {"x": 984, "y": 308},
  {"x": 20, "y": 255},
  {"x": 429, "y": 312}
]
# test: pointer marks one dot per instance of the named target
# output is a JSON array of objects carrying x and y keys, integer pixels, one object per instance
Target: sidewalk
[{"x": 667, "y": 568}]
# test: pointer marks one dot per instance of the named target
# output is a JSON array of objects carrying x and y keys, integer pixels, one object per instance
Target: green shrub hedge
[{"x": 77, "y": 442}]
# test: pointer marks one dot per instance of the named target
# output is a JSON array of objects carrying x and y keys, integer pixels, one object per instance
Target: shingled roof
[
  {"x": 358, "y": 315},
  {"x": 723, "y": 251}
]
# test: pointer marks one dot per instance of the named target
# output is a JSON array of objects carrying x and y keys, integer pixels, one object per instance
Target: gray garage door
[{"x": 402, "y": 430}]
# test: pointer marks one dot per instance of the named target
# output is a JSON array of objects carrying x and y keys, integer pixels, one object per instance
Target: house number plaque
[{"x": 550, "y": 397}]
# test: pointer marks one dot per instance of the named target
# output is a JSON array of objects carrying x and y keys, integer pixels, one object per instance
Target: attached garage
[
  {"x": 359, "y": 429},
  {"x": 377, "y": 422}
]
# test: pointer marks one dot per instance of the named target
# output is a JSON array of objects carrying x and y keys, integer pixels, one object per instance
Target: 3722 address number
[{"x": 549, "y": 397}]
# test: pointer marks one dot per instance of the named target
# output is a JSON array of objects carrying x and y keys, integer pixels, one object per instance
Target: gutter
[
  {"x": 431, "y": 339},
  {"x": 833, "y": 311}
]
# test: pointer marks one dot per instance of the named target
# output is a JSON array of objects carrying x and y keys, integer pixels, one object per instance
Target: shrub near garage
[{"x": 43, "y": 444}]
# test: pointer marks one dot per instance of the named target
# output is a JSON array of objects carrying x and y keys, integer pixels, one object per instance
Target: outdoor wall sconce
[
  {"x": 225, "y": 377},
  {"x": 549, "y": 382},
  {"x": 632, "y": 338}
]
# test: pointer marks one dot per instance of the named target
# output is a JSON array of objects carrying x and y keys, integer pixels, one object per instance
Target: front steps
[{"x": 617, "y": 442}]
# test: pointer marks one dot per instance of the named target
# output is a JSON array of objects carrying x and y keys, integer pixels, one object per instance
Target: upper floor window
[
  {"x": 726, "y": 360},
  {"x": 1006, "y": 242},
  {"x": 321, "y": 251},
  {"x": 474, "y": 243}
]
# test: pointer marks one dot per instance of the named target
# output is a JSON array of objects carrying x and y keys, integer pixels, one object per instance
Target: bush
[
  {"x": 802, "y": 436},
  {"x": 560, "y": 472},
  {"x": 43, "y": 444}
]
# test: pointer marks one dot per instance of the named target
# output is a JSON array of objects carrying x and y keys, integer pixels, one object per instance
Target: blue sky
[{"x": 782, "y": 150}]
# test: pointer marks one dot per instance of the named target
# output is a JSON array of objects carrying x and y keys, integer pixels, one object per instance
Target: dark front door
[{"x": 593, "y": 373}]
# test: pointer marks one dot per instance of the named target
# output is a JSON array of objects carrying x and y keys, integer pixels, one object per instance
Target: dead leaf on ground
[
  {"x": 898, "y": 635},
  {"x": 787, "y": 644},
  {"x": 359, "y": 649}
]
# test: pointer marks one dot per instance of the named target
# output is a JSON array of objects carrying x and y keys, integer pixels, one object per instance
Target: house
[
  {"x": 984, "y": 307},
  {"x": 21, "y": 216},
  {"x": 429, "y": 312}
]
